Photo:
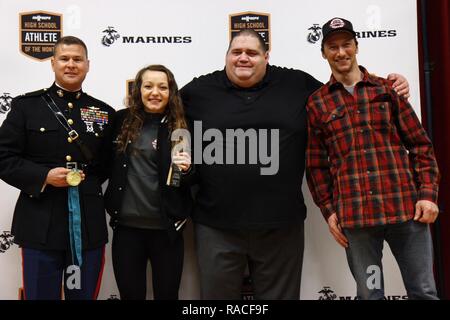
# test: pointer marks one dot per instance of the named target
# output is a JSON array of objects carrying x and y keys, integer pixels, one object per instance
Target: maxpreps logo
[
  {"x": 5, "y": 102},
  {"x": 111, "y": 36},
  {"x": 260, "y": 22},
  {"x": 39, "y": 31},
  {"x": 315, "y": 34}
]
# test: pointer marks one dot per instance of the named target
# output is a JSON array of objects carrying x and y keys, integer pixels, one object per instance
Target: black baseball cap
[{"x": 335, "y": 25}]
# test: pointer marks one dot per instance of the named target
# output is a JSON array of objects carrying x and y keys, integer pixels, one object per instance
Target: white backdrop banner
[{"x": 191, "y": 38}]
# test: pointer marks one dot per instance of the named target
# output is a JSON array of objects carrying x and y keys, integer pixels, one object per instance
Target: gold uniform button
[
  {"x": 70, "y": 105},
  {"x": 42, "y": 129},
  {"x": 96, "y": 134},
  {"x": 69, "y": 139},
  {"x": 70, "y": 121},
  {"x": 68, "y": 158}
]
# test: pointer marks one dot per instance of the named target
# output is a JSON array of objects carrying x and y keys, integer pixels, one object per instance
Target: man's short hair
[
  {"x": 70, "y": 40},
  {"x": 322, "y": 47},
  {"x": 251, "y": 33}
]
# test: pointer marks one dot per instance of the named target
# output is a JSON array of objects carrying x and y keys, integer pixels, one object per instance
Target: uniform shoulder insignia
[{"x": 36, "y": 93}]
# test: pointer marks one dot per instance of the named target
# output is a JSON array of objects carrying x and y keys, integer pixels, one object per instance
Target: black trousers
[
  {"x": 274, "y": 258},
  {"x": 132, "y": 248}
]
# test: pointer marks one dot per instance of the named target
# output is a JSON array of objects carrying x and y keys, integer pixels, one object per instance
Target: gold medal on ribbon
[{"x": 73, "y": 178}]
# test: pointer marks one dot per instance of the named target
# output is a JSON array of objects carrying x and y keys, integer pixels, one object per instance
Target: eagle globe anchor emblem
[
  {"x": 6, "y": 240},
  {"x": 110, "y": 37},
  {"x": 327, "y": 294},
  {"x": 5, "y": 103},
  {"x": 315, "y": 34}
]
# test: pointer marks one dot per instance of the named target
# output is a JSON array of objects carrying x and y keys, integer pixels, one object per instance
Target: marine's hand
[{"x": 57, "y": 177}]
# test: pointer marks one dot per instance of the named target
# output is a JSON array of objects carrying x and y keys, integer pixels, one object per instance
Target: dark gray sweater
[{"x": 141, "y": 202}]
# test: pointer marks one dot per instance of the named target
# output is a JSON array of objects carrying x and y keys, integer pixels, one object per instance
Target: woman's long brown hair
[{"x": 134, "y": 120}]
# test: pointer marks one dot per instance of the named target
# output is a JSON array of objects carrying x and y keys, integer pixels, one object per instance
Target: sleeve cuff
[
  {"x": 429, "y": 193},
  {"x": 327, "y": 210}
]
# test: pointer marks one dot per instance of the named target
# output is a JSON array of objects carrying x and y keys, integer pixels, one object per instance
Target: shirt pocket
[
  {"x": 338, "y": 133},
  {"x": 43, "y": 139},
  {"x": 380, "y": 116}
]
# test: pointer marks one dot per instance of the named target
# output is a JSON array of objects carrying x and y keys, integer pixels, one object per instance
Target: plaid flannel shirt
[{"x": 368, "y": 157}]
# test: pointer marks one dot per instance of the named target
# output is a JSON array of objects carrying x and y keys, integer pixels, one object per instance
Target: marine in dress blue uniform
[{"x": 33, "y": 146}]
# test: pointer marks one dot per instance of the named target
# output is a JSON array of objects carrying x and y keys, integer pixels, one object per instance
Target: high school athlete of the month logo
[
  {"x": 110, "y": 36},
  {"x": 39, "y": 31},
  {"x": 260, "y": 22},
  {"x": 6, "y": 241},
  {"x": 315, "y": 33},
  {"x": 5, "y": 102}
]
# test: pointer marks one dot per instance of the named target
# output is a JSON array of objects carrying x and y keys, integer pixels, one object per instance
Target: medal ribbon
[{"x": 75, "y": 225}]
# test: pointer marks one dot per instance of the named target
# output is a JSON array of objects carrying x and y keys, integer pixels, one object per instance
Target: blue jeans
[{"x": 411, "y": 245}]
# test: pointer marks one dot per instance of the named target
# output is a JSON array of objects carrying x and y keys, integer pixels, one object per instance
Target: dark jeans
[
  {"x": 274, "y": 258},
  {"x": 132, "y": 248},
  {"x": 411, "y": 245}
]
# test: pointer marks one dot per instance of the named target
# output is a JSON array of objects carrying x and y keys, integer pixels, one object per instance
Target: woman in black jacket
[{"x": 148, "y": 196}]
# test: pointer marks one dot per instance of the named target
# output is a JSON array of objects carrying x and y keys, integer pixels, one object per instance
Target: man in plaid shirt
[{"x": 371, "y": 170}]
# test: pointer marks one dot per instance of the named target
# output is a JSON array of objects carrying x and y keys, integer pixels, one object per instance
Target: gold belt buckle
[{"x": 73, "y": 135}]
